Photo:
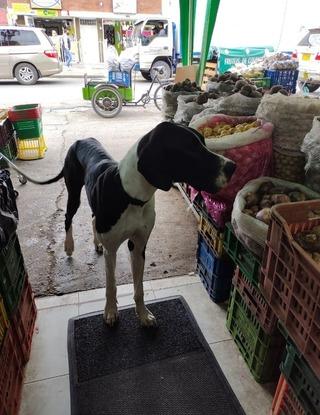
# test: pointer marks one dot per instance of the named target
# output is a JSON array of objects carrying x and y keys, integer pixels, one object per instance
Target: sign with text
[{"x": 46, "y": 4}]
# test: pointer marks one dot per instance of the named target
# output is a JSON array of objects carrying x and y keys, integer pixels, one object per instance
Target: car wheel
[
  {"x": 26, "y": 74},
  {"x": 146, "y": 75},
  {"x": 166, "y": 68}
]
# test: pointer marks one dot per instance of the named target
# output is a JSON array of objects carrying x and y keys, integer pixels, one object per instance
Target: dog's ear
[{"x": 152, "y": 162}]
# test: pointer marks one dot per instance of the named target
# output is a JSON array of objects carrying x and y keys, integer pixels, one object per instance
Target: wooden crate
[{"x": 209, "y": 71}]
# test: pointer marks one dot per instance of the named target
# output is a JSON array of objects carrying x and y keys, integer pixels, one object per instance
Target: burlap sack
[{"x": 311, "y": 148}]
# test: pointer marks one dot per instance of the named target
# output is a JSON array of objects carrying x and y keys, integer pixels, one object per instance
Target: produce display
[
  {"x": 258, "y": 204},
  {"x": 222, "y": 129},
  {"x": 310, "y": 242},
  {"x": 278, "y": 88},
  {"x": 186, "y": 86},
  {"x": 232, "y": 83}
]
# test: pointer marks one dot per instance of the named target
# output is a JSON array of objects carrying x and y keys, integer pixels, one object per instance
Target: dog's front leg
[
  {"x": 137, "y": 255},
  {"x": 111, "y": 309}
]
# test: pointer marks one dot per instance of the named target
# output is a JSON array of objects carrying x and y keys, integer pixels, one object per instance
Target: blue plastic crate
[
  {"x": 215, "y": 273},
  {"x": 286, "y": 78},
  {"x": 120, "y": 78}
]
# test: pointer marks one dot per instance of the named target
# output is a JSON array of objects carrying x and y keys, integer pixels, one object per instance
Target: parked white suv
[
  {"x": 308, "y": 55},
  {"x": 27, "y": 53}
]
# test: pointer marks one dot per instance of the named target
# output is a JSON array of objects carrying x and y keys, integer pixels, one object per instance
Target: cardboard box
[{"x": 184, "y": 72}]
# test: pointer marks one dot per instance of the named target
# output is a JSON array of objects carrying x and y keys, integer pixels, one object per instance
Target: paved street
[{"x": 67, "y": 117}]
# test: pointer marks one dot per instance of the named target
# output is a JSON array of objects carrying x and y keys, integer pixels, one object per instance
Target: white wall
[{"x": 274, "y": 23}]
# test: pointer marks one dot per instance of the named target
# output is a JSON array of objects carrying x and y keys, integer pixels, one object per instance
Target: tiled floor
[{"x": 46, "y": 389}]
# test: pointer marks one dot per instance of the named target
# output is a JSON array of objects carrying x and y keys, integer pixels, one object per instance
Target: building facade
[{"x": 90, "y": 24}]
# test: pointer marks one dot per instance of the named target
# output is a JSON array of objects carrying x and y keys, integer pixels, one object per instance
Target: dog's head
[{"x": 172, "y": 153}]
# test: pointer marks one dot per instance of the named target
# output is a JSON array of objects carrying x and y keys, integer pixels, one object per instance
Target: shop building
[{"x": 91, "y": 25}]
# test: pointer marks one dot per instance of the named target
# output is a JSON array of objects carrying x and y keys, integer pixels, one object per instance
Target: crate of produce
[
  {"x": 23, "y": 321},
  {"x": 285, "y": 401},
  {"x": 11, "y": 376},
  {"x": 120, "y": 78},
  {"x": 24, "y": 112},
  {"x": 248, "y": 263},
  {"x": 31, "y": 149},
  {"x": 9, "y": 150},
  {"x": 302, "y": 379},
  {"x": 215, "y": 273},
  {"x": 261, "y": 351},
  {"x": 290, "y": 277},
  {"x": 212, "y": 235},
  {"x": 286, "y": 78},
  {"x": 4, "y": 322},
  {"x": 28, "y": 129},
  {"x": 256, "y": 302},
  {"x": 12, "y": 272},
  {"x": 261, "y": 82},
  {"x": 6, "y": 131}
]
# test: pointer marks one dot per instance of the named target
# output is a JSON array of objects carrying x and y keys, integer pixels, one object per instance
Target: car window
[
  {"x": 314, "y": 39},
  {"x": 3, "y": 38},
  {"x": 22, "y": 37}
]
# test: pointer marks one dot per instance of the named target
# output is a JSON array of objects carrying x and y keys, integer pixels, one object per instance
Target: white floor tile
[
  {"x": 46, "y": 397},
  {"x": 254, "y": 398},
  {"x": 211, "y": 317},
  {"x": 49, "y": 345},
  {"x": 56, "y": 301},
  {"x": 174, "y": 282}
]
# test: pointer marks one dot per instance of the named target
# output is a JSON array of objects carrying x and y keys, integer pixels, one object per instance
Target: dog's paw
[
  {"x": 147, "y": 319},
  {"x": 111, "y": 317},
  {"x": 99, "y": 248},
  {"x": 69, "y": 247}
]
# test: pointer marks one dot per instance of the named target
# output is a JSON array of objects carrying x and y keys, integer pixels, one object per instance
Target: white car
[
  {"x": 27, "y": 53},
  {"x": 308, "y": 55}
]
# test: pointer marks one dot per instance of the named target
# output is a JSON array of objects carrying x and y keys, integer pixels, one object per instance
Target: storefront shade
[
  {"x": 209, "y": 23},
  {"x": 228, "y": 57},
  {"x": 187, "y": 18}
]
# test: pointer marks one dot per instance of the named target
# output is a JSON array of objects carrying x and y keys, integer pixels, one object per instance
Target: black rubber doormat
[{"x": 130, "y": 370}]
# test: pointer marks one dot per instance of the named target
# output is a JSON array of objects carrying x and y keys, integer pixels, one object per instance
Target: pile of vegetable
[
  {"x": 186, "y": 86},
  {"x": 258, "y": 205},
  {"x": 310, "y": 242},
  {"x": 221, "y": 129},
  {"x": 278, "y": 88},
  {"x": 232, "y": 83}
]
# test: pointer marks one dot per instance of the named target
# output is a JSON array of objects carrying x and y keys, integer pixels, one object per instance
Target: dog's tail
[{"x": 54, "y": 179}]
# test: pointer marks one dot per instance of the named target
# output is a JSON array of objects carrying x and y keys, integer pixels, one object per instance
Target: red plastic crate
[
  {"x": 285, "y": 402},
  {"x": 290, "y": 279},
  {"x": 24, "y": 112},
  {"x": 256, "y": 302},
  {"x": 11, "y": 376},
  {"x": 23, "y": 321}
]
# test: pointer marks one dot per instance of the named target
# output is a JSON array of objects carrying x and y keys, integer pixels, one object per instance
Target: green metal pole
[
  {"x": 209, "y": 22},
  {"x": 187, "y": 18}
]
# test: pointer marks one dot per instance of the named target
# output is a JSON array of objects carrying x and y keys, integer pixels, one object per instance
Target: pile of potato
[
  {"x": 233, "y": 83},
  {"x": 258, "y": 205},
  {"x": 185, "y": 86},
  {"x": 222, "y": 129},
  {"x": 310, "y": 242}
]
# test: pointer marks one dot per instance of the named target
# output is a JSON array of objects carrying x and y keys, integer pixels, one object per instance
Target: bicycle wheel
[
  {"x": 157, "y": 98},
  {"x": 106, "y": 101}
]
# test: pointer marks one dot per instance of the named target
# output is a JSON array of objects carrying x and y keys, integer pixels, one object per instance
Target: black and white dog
[{"x": 121, "y": 195}]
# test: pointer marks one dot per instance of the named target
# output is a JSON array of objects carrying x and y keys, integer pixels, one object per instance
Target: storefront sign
[
  {"x": 124, "y": 6},
  {"x": 46, "y": 4},
  {"x": 20, "y": 8},
  {"x": 47, "y": 13}
]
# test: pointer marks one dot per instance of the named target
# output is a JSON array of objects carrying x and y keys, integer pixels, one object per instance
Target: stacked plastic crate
[
  {"x": 27, "y": 122},
  {"x": 213, "y": 266},
  {"x": 291, "y": 285},
  {"x": 250, "y": 320},
  {"x": 17, "y": 318},
  {"x": 8, "y": 145}
]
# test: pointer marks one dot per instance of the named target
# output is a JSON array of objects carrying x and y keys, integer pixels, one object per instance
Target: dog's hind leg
[
  {"x": 137, "y": 246},
  {"x": 111, "y": 309}
]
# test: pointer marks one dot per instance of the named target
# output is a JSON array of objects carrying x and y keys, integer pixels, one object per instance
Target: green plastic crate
[
  {"x": 248, "y": 263},
  {"x": 261, "y": 82},
  {"x": 28, "y": 128},
  {"x": 301, "y": 378},
  {"x": 12, "y": 274},
  {"x": 262, "y": 352}
]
